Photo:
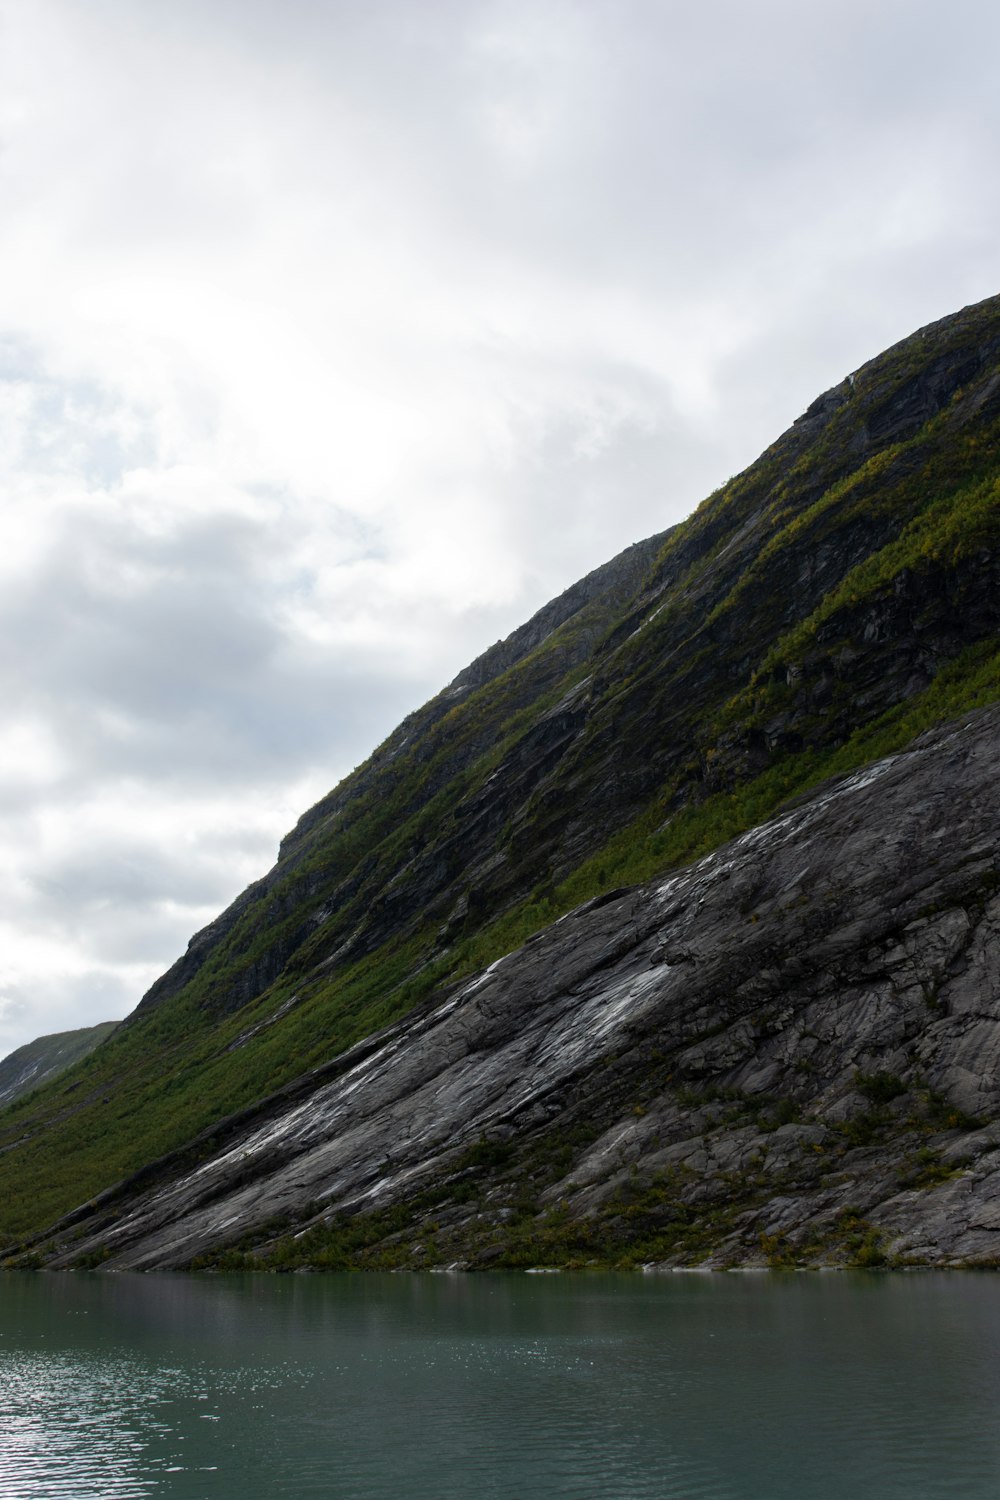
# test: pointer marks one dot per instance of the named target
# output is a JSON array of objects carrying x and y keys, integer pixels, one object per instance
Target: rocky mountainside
[
  {"x": 41, "y": 1060},
  {"x": 787, "y": 1049},
  {"x": 336, "y": 1052}
]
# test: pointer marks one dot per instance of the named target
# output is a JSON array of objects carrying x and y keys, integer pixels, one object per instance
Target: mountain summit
[{"x": 665, "y": 933}]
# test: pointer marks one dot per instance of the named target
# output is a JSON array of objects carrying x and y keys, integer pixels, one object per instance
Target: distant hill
[
  {"x": 40, "y": 1061},
  {"x": 432, "y": 1032}
]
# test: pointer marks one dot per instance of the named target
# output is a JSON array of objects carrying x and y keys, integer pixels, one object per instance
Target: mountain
[
  {"x": 609, "y": 952},
  {"x": 39, "y": 1061}
]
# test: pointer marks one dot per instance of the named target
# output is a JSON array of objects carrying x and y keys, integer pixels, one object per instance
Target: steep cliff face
[{"x": 820, "y": 611}]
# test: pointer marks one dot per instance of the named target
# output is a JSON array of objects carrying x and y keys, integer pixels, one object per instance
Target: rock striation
[{"x": 795, "y": 1041}]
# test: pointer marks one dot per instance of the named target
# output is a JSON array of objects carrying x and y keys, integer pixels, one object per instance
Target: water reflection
[{"x": 595, "y": 1388}]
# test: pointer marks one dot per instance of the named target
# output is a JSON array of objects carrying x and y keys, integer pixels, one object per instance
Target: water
[{"x": 772, "y": 1387}]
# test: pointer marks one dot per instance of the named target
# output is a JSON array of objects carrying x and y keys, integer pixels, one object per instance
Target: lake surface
[{"x": 728, "y": 1387}]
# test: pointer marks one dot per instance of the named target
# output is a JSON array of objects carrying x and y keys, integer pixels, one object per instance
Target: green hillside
[
  {"x": 825, "y": 606},
  {"x": 40, "y": 1061}
]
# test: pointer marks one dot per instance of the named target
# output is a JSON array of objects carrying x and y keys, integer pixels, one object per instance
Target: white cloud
[{"x": 337, "y": 337}]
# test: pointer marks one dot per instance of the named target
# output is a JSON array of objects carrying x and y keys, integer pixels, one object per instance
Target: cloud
[{"x": 342, "y": 336}]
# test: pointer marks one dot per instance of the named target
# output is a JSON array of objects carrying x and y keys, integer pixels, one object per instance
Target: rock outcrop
[{"x": 788, "y": 1046}]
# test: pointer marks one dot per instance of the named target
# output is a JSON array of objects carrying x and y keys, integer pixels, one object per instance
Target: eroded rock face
[{"x": 790, "y": 1050}]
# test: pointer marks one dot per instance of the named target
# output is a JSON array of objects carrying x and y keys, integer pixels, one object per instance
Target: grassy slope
[{"x": 923, "y": 507}]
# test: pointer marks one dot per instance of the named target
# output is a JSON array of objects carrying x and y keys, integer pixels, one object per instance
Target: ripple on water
[{"x": 506, "y": 1389}]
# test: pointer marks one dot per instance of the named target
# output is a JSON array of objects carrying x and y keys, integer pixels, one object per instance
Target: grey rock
[{"x": 896, "y": 989}]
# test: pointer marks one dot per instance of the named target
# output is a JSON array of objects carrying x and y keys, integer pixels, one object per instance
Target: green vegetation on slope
[
  {"x": 37, "y": 1062},
  {"x": 819, "y": 611}
]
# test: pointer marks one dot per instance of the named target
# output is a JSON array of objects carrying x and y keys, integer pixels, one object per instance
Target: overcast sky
[{"x": 336, "y": 336}]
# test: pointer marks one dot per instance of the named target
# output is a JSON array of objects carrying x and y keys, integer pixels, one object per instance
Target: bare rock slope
[{"x": 789, "y": 1051}]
